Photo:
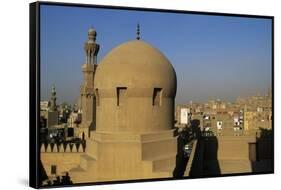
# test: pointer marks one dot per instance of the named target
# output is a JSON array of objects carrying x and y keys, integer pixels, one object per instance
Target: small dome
[{"x": 136, "y": 65}]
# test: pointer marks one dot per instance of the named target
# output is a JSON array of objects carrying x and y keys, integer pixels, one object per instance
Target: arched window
[
  {"x": 157, "y": 96},
  {"x": 121, "y": 95}
]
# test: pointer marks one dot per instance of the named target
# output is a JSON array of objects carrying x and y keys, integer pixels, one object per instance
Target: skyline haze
[{"x": 214, "y": 56}]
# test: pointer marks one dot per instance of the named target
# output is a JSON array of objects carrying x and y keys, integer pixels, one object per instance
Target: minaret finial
[
  {"x": 91, "y": 47},
  {"x": 138, "y": 31},
  {"x": 92, "y": 34},
  {"x": 53, "y": 88}
]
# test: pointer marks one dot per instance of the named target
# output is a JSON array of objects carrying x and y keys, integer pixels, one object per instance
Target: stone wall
[{"x": 63, "y": 161}]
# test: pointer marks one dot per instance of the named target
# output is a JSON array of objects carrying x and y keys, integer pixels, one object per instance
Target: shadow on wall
[
  {"x": 46, "y": 181},
  {"x": 42, "y": 173},
  {"x": 205, "y": 160},
  {"x": 195, "y": 127},
  {"x": 91, "y": 128},
  {"x": 197, "y": 168},
  {"x": 181, "y": 159},
  {"x": 209, "y": 145},
  {"x": 263, "y": 160},
  {"x": 62, "y": 180}
]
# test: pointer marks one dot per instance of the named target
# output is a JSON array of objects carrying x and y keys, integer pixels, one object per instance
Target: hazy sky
[{"x": 213, "y": 56}]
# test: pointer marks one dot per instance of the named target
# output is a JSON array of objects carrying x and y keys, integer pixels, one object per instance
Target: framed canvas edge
[{"x": 34, "y": 89}]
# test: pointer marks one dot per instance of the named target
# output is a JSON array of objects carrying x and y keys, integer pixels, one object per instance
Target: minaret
[
  {"x": 138, "y": 32},
  {"x": 88, "y": 100},
  {"x": 52, "y": 114},
  {"x": 53, "y": 105}
]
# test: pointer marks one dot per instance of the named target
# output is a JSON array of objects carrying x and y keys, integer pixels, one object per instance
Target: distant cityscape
[{"x": 246, "y": 113}]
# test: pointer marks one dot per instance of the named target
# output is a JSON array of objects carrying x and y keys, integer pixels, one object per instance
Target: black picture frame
[{"x": 34, "y": 82}]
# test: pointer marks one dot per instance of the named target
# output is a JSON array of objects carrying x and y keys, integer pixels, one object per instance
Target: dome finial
[{"x": 138, "y": 31}]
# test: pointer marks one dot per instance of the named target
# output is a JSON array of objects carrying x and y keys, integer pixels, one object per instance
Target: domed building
[{"x": 134, "y": 88}]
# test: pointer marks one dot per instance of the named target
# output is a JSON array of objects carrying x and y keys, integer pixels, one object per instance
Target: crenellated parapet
[{"x": 62, "y": 147}]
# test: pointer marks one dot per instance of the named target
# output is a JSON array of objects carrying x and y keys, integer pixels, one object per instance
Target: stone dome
[
  {"x": 135, "y": 87},
  {"x": 136, "y": 65}
]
